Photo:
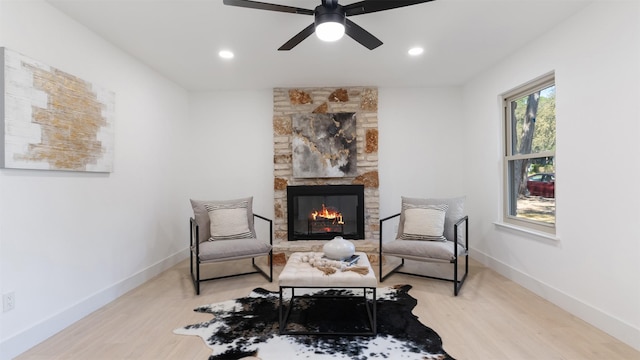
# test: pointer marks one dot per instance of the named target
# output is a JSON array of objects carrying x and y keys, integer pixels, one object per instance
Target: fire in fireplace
[
  {"x": 326, "y": 220},
  {"x": 325, "y": 211}
]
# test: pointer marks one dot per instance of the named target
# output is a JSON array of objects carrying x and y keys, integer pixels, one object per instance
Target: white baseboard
[
  {"x": 21, "y": 342},
  {"x": 613, "y": 326}
]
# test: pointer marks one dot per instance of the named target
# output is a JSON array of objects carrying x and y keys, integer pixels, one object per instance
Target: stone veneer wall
[{"x": 360, "y": 100}]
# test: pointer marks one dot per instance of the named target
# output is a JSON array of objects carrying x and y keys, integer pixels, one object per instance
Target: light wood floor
[{"x": 492, "y": 318}]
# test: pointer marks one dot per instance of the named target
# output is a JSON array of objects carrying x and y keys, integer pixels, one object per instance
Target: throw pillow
[
  {"x": 228, "y": 221},
  {"x": 454, "y": 213},
  {"x": 424, "y": 222},
  {"x": 201, "y": 215}
]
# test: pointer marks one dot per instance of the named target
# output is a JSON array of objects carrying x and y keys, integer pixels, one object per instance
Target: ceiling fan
[{"x": 331, "y": 21}]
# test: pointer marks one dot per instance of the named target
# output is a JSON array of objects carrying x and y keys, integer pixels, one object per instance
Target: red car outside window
[{"x": 542, "y": 185}]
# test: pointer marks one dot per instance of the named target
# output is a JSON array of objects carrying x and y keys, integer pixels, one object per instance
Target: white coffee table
[{"x": 298, "y": 275}]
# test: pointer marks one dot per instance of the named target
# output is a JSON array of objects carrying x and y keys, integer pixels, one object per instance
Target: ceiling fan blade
[
  {"x": 361, "y": 35},
  {"x": 298, "y": 38},
  {"x": 265, "y": 6},
  {"x": 369, "y": 6}
]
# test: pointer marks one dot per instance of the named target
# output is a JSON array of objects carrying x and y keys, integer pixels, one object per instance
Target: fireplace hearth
[{"x": 322, "y": 212}]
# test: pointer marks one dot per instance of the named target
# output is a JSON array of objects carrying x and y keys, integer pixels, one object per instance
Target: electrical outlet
[{"x": 8, "y": 301}]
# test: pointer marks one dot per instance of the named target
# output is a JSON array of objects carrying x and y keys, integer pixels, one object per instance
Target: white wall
[
  {"x": 593, "y": 269},
  {"x": 421, "y": 147},
  {"x": 71, "y": 242},
  {"x": 230, "y": 147}
]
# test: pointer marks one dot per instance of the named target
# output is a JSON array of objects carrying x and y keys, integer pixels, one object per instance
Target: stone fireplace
[{"x": 296, "y": 102}]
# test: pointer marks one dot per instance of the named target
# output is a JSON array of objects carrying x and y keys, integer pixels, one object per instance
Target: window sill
[{"x": 540, "y": 234}]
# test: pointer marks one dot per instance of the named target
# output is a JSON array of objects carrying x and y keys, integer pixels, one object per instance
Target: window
[{"x": 530, "y": 155}]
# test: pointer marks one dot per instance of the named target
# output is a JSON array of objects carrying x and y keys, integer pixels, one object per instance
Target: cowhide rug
[{"x": 248, "y": 328}]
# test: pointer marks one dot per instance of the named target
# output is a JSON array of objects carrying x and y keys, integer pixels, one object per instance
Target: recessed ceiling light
[
  {"x": 226, "y": 54},
  {"x": 415, "y": 51}
]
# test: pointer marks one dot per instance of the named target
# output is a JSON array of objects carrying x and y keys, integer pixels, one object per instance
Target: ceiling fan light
[{"x": 330, "y": 31}]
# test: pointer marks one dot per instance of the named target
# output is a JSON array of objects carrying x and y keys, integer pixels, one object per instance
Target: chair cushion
[
  {"x": 418, "y": 249},
  {"x": 233, "y": 249},
  {"x": 201, "y": 215},
  {"x": 455, "y": 212},
  {"x": 423, "y": 222}
]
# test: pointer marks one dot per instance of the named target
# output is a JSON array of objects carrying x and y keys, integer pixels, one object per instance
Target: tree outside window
[{"x": 530, "y": 155}]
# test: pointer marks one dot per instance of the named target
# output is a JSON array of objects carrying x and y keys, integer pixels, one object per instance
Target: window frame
[{"x": 538, "y": 84}]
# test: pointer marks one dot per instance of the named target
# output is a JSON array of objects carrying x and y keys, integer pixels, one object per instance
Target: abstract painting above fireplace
[
  {"x": 324, "y": 145},
  {"x": 322, "y": 212}
]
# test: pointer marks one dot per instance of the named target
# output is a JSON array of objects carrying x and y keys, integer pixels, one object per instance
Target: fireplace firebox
[{"x": 322, "y": 212}]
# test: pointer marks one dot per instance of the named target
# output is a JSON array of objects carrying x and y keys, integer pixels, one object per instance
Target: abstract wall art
[
  {"x": 324, "y": 145},
  {"x": 51, "y": 120}
]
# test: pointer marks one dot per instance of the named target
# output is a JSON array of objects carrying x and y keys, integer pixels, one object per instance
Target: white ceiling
[{"x": 181, "y": 39}]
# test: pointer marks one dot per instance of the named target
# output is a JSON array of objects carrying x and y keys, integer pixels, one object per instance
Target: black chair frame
[
  {"x": 457, "y": 284},
  {"x": 195, "y": 262}
]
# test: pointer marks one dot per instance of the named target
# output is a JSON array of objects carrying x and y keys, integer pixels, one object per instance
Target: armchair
[
  {"x": 224, "y": 231},
  {"x": 429, "y": 230}
]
